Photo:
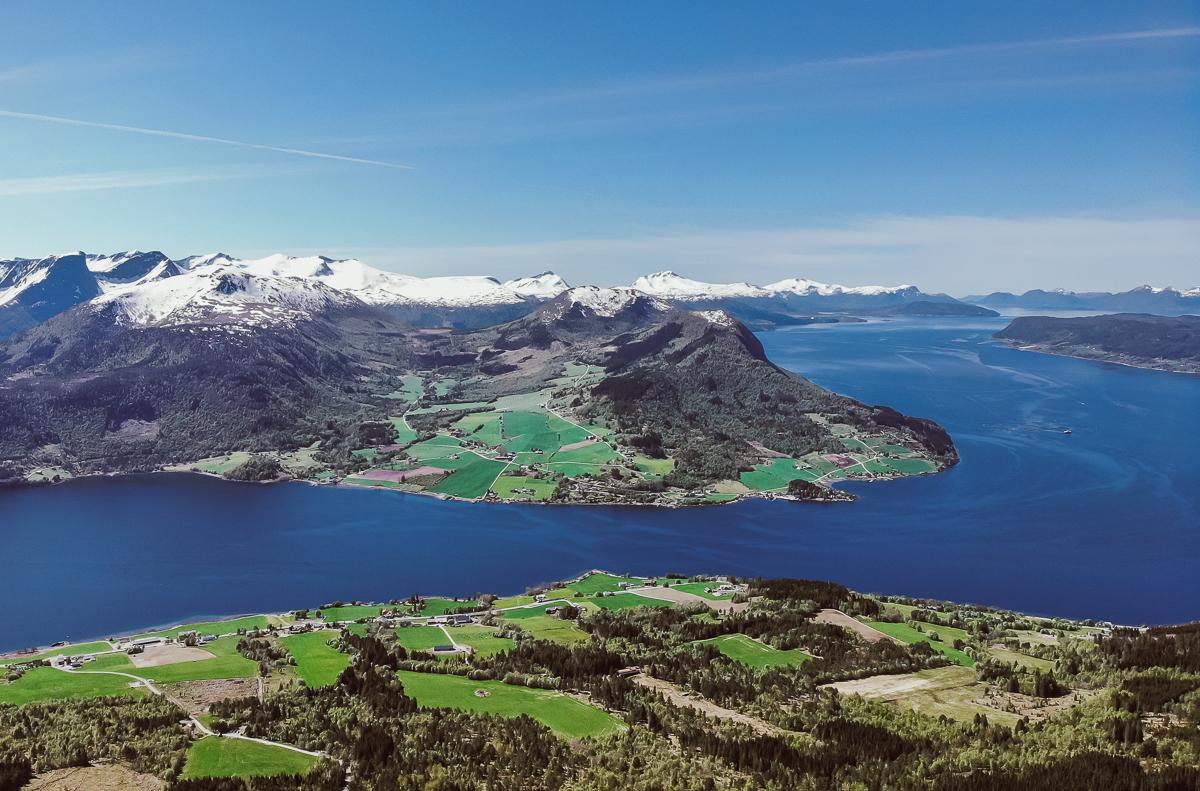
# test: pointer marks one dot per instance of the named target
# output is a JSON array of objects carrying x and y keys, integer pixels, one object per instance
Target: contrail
[{"x": 56, "y": 119}]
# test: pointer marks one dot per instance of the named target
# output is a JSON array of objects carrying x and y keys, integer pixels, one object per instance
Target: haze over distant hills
[
  {"x": 1144, "y": 299},
  {"x": 150, "y": 283}
]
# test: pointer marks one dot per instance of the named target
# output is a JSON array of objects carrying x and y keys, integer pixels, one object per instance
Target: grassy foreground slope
[
  {"x": 222, "y": 757},
  {"x": 563, "y": 715}
]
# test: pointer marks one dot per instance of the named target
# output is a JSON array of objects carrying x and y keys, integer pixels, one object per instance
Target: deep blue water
[{"x": 1104, "y": 522}]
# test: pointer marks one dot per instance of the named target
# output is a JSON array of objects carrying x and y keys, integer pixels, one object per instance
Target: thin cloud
[
  {"x": 954, "y": 253},
  {"x": 726, "y": 78},
  {"x": 128, "y": 179},
  {"x": 139, "y": 130}
]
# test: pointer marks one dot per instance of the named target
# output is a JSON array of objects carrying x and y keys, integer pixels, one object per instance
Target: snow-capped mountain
[
  {"x": 32, "y": 291},
  {"x": 130, "y": 267},
  {"x": 598, "y": 302},
  {"x": 808, "y": 288},
  {"x": 669, "y": 285},
  {"x": 547, "y": 285},
  {"x": 1163, "y": 300},
  {"x": 790, "y": 301},
  {"x": 221, "y": 295}
]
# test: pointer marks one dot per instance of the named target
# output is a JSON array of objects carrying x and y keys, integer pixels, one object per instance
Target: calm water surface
[{"x": 1103, "y": 522}]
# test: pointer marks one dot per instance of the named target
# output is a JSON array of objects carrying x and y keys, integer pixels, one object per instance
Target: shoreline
[
  {"x": 117, "y": 636},
  {"x": 10, "y": 655},
  {"x": 767, "y": 495},
  {"x": 1039, "y": 349}
]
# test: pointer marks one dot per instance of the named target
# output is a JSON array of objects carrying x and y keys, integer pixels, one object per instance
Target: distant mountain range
[
  {"x": 1170, "y": 343},
  {"x": 1143, "y": 299},
  {"x": 799, "y": 301},
  {"x": 150, "y": 287}
]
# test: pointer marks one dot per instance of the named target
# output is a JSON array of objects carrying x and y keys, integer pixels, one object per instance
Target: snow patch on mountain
[
  {"x": 222, "y": 294},
  {"x": 719, "y": 317},
  {"x": 604, "y": 302},
  {"x": 806, "y": 288},
  {"x": 547, "y": 285},
  {"x": 672, "y": 286}
]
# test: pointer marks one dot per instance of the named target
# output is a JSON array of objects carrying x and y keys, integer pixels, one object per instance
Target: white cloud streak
[
  {"x": 666, "y": 84},
  {"x": 139, "y": 130},
  {"x": 955, "y": 254},
  {"x": 127, "y": 179}
]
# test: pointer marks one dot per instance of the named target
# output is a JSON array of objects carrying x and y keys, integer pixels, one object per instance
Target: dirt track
[
  {"x": 156, "y": 655},
  {"x": 676, "y": 696},
  {"x": 110, "y": 777},
  {"x": 839, "y": 618},
  {"x": 683, "y": 597}
]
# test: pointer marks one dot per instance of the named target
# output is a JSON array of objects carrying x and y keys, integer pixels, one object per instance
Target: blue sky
[{"x": 963, "y": 147}]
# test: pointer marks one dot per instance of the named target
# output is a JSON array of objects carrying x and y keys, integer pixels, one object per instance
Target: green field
[
  {"x": 404, "y": 434},
  {"x": 461, "y": 406},
  {"x": 115, "y": 661},
  {"x": 563, "y": 715},
  {"x": 411, "y": 387},
  {"x": 482, "y": 639},
  {"x": 438, "y": 447},
  {"x": 482, "y": 427},
  {"x": 352, "y": 612},
  {"x": 525, "y": 613},
  {"x": 46, "y": 683},
  {"x": 551, "y": 628},
  {"x": 217, "y": 756},
  {"x": 249, "y": 623},
  {"x": 218, "y": 465},
  {"x": 749, "y": 651},
  {"x": 317, "y": 661},
  {"x": 697, "y": 589},
  {"x": 907, "y": 634},
  {"x": 595, "y": 583},
  {"x": 653, "y": 466},
  {"x": 623, "y": 601},
  {"x": 437, "y": 605},
  {"x": 911, "y": 466},
  {"x": 776, "y": 475},
  {"x": 472, "y": 480},
  {"x": 66, "y": 650},
  {"x": 226, "y": 663},
  {"x": 513, "y": 487},
  {"x": 595, "y": 453},
  {"x": 421, "y": 638}
]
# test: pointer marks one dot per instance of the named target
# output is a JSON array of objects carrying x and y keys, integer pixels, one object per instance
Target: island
[
  {"x": 606, "y": 681},
  {"x": 1142, "y": 340}
]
